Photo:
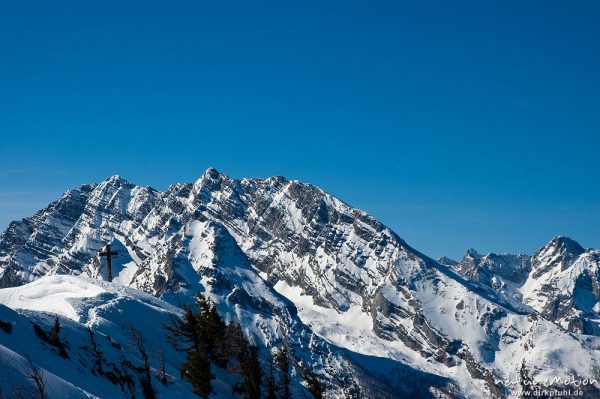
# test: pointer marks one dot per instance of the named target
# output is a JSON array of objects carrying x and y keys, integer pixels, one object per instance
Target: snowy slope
[{"x": 80, "y": 303}]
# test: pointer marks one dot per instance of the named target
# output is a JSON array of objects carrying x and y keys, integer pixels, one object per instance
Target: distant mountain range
[
  {"x": 560, "y": 281},
  {"x": 291, "y": 263}
]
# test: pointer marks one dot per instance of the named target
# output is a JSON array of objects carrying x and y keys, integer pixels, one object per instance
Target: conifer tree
[
  {"x": 99, "y": 358},
  {"x": 206, "y": 339},
  {"x": 196, "y": 369},
  {"x": 315, "y": 386},
  {"x": 211, "y": 327},
  {"x": 283, "y": 364},
  {"x": 233, "y": 344},
  {"x": 526, "y": 381},
  {"x": 271, "y": 387},
  {"x": 353, "y": 391},
  {"x": 251, "y": 372},
  {"x": 245, "y": 361},
  {"x": 138, "y": 341},
  {"x": 182, "y": 333},
  {"x": 54, "y": 334},
  {"x": 161, "y": 371},
  {"x": 198, "y": 335}
]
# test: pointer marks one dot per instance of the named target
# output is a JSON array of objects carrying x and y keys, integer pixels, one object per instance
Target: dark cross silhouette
[{"x": 109, "y": 254}]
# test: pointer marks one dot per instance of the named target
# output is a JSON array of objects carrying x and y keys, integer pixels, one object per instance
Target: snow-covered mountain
[
  {"x": 564, "y": 285},
  {"x": 289, "y": 261},
  {"x": 560, "y": 281}
]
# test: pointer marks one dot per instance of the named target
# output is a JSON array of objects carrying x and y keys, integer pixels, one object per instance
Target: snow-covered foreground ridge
[
  {"x": 287, "y": 260},
  {"x": 107, "y": 309}
]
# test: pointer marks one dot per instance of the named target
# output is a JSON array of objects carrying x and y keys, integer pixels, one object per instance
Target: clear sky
[{"x": 457, "y": 124}]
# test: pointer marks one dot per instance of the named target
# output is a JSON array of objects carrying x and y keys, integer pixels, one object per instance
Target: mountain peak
[
  {"x": 446, "y": 261},
  {"x": 471, "y": 252},
  {"x": 566, "y": 244},
  {"x": 561, "y": 251},
  {"x": 116, "y": 180},
  {"x": 212, "y": 172}
]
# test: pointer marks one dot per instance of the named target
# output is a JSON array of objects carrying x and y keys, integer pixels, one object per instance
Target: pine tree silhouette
[
  {"x": 54, "y": 334},
  {"x": 315, "y": 386},
  {"x": 196, "y": 335},
  {"x": 251, "y": 372},
  {"x": 271, "y": 387},
  {"x": 283, "y": 364}
]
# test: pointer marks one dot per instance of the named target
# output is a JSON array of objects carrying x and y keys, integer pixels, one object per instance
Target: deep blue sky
[{"x": 457, "y": 124}]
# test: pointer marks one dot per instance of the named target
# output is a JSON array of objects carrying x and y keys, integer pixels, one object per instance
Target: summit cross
[{"x": 109, "y": 254}]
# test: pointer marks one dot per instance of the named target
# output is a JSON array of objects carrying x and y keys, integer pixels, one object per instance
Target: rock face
[
  {"x": 564, "y": 285},
  {"x": 444, "y": 260},
  {"x": 290, "y": 260},
  {"x": 504, "y": 272},
  {"x": 560, "y": 281}
]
